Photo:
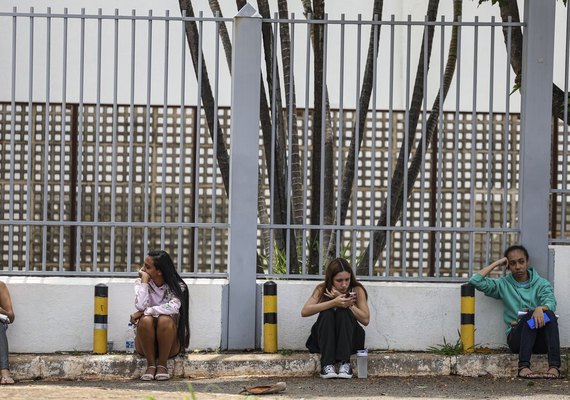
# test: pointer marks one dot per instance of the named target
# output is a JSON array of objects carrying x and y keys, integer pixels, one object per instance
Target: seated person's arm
[
  {"x": 360, "y": 309},
  {"x": 487, "y": 270},
  {"x": 312, "y": 306},
  {"x": 487, "y": 285},
  {"x": 6, "y": 303}
]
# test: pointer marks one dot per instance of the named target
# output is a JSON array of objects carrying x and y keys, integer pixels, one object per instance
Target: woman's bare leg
[
  {"x": 166, "y": 336},
  {"x": 145, "y": 340}
]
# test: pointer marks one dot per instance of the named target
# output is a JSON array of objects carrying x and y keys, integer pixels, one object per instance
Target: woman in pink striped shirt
[{"x": 161, "y": 298}]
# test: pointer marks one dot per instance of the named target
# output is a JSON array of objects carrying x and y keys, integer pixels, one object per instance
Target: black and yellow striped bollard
[
  {"x": 270, "y": 317},
  {"x": 100, "y": 327},
  {"x": 468, "y": 317}
]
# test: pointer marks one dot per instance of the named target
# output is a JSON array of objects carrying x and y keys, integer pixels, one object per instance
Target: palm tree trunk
[
  {"x": 193, "y": 39},
  {"x": 510, "y": 8},
  {"x": 355, "y": 142},
  {"x": 280, "y": 171},
  {"x": 297, "y": 187},
  {"x": 379, "y": 241}
]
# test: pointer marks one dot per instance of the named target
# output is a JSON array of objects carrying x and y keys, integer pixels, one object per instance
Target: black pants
[
  {"x": 526, "y": 341},
  {"x": 336, "y": 335}
]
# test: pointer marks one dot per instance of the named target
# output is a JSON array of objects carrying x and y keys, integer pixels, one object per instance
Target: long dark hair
[
  {"x": 334, "y": 267},
  {"x": 164, "y": 264}
]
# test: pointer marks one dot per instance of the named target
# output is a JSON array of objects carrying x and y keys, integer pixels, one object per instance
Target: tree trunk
[
  {"x": 379, "y": 241},
  {"x": 508, "y": 9},
  {"x": 297, "y": 187},
  {"x": 363, "y": 104},
  {"x": 281, "y": 200},
  {"x": 193, "y": 39}
]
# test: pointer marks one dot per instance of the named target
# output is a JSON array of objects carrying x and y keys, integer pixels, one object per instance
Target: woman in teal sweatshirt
[{"x": 524, "y": 290}]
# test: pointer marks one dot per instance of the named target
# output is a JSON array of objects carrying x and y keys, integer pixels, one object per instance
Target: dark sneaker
[
  {"x": 345, "y": 371},
  {"x": 328, "y": 372}
]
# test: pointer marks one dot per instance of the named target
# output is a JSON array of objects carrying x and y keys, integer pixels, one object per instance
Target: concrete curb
[{"x": 126, "y": 366}]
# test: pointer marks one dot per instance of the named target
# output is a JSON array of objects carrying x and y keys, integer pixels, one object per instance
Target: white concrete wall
[
  {"x": 56, "y": 314},
  {"x": 404, "y": 316}
]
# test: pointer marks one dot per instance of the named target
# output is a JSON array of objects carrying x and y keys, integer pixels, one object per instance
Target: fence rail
[{"x": 106, "y": 153}]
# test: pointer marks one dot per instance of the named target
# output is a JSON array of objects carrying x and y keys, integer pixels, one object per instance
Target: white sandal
[
  {"x": 148, "y": 376},
  {"x": 164, "y": 376}
]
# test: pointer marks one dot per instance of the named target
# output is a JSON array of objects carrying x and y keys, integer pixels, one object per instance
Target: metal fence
[{"x": 99, "y": 161}]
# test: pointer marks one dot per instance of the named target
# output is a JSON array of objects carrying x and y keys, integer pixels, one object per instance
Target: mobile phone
[{"x": 531, "y": 322}]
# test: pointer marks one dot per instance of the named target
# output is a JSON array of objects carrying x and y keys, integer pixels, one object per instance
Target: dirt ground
[{"x": 448, "y": 387}]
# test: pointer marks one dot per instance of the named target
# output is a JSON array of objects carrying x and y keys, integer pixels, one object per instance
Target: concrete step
[{"x": 84, "y": 366}]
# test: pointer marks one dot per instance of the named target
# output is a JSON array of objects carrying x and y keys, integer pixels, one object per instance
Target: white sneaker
[
  {"x": 345, "y": 371},
  {"x": 328, "y": 372}
]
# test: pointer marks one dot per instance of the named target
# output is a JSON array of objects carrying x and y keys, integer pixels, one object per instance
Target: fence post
[
  {"x": 468, "y": 317},
  {"x": 100, "y": 319},
  {"x": 270, "y": 317},
  {"x": 536, "y": 122},
  {"x": 244, "y": 148}
]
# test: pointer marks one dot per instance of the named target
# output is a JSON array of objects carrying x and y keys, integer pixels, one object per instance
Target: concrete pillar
[
  {"x": 536, "y": 112},
  {"x": 244, "y": 152}
]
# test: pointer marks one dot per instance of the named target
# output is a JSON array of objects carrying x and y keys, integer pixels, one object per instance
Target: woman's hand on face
[
  {"x": 333, "y": 293},
  {"x": 145, "y": 278},
  {"x": 502, "y": 261}
]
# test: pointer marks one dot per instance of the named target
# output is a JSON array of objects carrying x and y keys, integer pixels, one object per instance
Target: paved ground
[{"x": 448, "y": 387}]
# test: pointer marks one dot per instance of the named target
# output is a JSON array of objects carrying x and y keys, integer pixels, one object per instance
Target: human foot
[
  {"x": 162, "y": 373},
  {"x": 149, "y": 373},
  {"x": 526, "y": 373},
  {"x": 552, "y": 373},
  {"x": 6, "y": 380}
]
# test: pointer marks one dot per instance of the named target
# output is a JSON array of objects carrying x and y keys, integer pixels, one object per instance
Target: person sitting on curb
[
  {"x": 524, "y": 290},
  {"x": 162, "y": 326},
  {"x": 6, "y": 317},
  {"x": 342, "y": 303}
]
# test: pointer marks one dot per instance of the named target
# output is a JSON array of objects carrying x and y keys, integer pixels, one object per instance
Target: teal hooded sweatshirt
[{"x": 516, "y": 297}]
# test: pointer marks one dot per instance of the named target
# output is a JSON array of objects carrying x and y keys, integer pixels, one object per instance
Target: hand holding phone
[{"x": 532, "y": 324}]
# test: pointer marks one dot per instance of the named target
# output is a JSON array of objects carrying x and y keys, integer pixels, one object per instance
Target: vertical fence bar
[
  {"x": 12, "y": 143},
  {"x": 423, "y": 144},
  {"x": 506, "y": 139},
  {"x": 46, "y": 141},
  {"x": 324, "y": 110},
  {"x": 356, "y": 134},
  {"x": 338, "y": 232},
  {"x": 536, "y": 109},
  {"x": 79, "y": 215},
  {"x": 565, "y": 129},
  {"x": 148, "y": 133},
  {"x": 97, "y": 134},
  {"x": 372, "y": 187},
  {"x": 274, "y": 132},
  {"x": 246, "y": 54},
  {"x": 490, "y": 146},
  {"x": 114, "y": 141},
  {"x": 131, "y": 142},
  {"x": 390, "y": 144},
  {"x": 404, "y": 234},
  {"x": 473, "y": 147},
  {"x": 215, "y": 147},
  {"x": 440, "y": 151},
  {"x": 455, "y": 176},
  {"x": 62, "y": 143},
  {"x": 29, "y": 189},
  {"x": 164, "y": 129},
  {"x": 305, "y": 138},
  {"x": 182, "y": 137},
  {"x": 196, "y": 159}
]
